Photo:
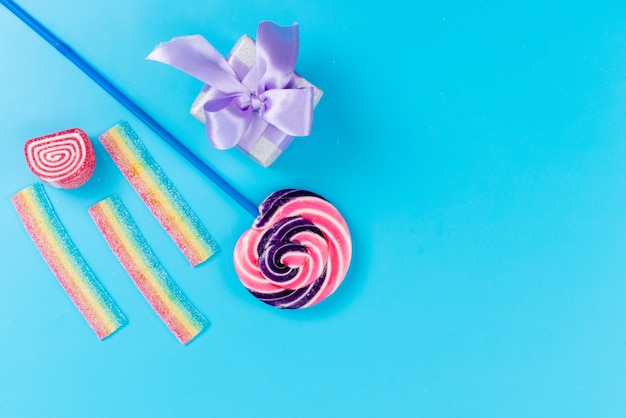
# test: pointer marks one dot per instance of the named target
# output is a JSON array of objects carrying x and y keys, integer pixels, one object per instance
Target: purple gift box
[{"x": 265, "y": 148}]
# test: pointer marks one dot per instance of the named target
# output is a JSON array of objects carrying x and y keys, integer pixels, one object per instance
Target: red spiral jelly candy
[{"x": 65, "y": 159}]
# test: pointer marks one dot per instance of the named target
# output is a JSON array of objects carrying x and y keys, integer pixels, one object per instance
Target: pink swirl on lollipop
[{"x": 297, "y": 252}]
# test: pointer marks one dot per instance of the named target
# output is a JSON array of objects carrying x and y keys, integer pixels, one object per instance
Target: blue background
[{"x": 476, "y": 150}]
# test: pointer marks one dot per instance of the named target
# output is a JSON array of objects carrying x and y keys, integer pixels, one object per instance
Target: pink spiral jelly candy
[
  {"x": 64, "y": 159},
  {"x": 297, "y": 252}
]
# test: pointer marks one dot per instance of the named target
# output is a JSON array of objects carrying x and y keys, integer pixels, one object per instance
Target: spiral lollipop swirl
[{"x": 297, "y": 252}]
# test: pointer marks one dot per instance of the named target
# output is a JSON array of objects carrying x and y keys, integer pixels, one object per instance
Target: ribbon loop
[
  {"x": 198, "y": 58},
  {"x": 280, "y": 103},
  {"x": 276, "y": 54}
]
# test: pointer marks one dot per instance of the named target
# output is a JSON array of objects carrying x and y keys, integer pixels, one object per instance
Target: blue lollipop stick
[{"x": 125, "y": 101}]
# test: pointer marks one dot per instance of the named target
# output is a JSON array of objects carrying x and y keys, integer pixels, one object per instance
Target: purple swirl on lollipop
[{"x": 297, "y": 252}]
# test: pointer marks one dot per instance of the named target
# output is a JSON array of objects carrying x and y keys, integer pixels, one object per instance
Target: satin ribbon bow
[{"x": 244, "y": 107}]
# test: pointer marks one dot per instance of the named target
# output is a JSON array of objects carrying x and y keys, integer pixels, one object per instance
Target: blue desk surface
[{"x": 476, "y": 151}]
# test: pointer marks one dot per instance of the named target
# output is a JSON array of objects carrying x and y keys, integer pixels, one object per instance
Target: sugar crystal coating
[
  {"x": 65, "y": 261},
  {"x": 132, "y": 250},
  {"x": 158, "y": 193}
]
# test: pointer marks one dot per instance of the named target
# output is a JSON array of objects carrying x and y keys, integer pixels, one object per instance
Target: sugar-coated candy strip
[
  {"x": 132, "y": 250},
  {"x": 63, "y": 159},
  {"x": 63, "y": 258},
  {"x": 158, "y": 193},
  {"x": 297, "y": 252}
]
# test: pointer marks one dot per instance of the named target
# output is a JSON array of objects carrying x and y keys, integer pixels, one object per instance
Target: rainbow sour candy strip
[
  {"x": 56, "y": 247},
  {"x": 133, "y": 252},
  {"x": 158, "y": 193}
]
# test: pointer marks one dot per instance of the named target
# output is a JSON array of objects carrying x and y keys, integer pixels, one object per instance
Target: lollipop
[
  {"x": 299, "y": 239},
  {"x": 297, "y": 252}
]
